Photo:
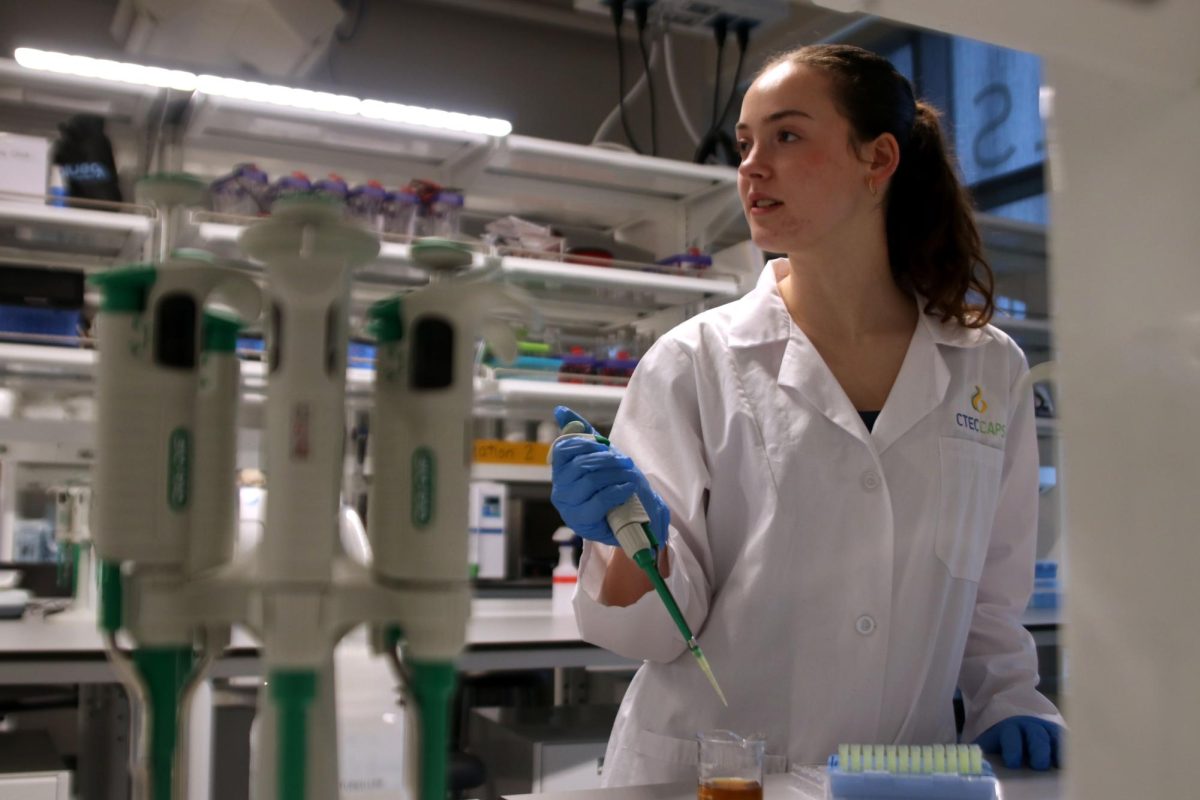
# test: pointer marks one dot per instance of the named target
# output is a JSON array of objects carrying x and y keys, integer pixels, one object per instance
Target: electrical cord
[
  {"x": 720, "y": 28},
  {"x": 618, "y": 16},
  {"x": 673, "y": 83},
  {"x": 359, "y": 7},
  {"x": 630, "y": 96},
  {"x": 743, "y": 39},
  {"x": 717, "y": 143},
  {"x": 640, "y": 12},
  {"x": 339, "y": 36}
]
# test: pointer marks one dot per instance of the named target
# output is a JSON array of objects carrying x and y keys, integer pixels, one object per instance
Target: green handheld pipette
[{"x": 631, "y": 526}]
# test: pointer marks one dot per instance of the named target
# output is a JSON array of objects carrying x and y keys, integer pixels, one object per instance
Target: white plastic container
[
  {"x": 24, "y": 164},
  {"x": 565, "y": 576}
]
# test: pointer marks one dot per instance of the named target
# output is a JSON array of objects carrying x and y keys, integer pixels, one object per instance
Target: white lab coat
[{"x": 841, "y": 582}]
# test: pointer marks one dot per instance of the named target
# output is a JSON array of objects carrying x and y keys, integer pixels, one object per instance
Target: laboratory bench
[
  {"x": 503, "y": 634},
  {"x": 807, "y": 783}
]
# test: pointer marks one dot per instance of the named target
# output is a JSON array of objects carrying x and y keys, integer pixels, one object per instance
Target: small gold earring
[{"x": 873, "y": 188}]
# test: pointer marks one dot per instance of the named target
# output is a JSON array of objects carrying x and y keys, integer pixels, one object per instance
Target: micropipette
[{"x": 631, "y": 526}]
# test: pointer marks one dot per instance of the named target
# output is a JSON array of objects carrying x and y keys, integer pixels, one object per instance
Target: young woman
[{"x": 840, "y": 461}]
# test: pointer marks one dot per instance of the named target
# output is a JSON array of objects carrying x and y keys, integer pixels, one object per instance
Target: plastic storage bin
[
  {"x": 692, "y": 259},
  {"x": 19, "y": 322},
  {"x": 576, "y": 363},
  {"x": 1047, "y": 588}
]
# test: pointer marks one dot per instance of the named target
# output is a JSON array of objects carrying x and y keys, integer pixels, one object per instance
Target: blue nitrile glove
[
  {"x": 590, "y": 479},
  {"x": 1035, "y": 741}
]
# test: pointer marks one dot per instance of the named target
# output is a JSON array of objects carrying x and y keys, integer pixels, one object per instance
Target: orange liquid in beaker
[{"x": 729, "y": 789}]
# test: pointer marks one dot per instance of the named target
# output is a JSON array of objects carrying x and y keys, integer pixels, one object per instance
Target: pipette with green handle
[{"x": 631, "y": 526}]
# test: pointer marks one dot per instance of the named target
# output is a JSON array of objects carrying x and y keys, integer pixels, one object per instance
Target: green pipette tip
[
  {"x": 708, "y": 673},
  {"x": 645, "y": 560}
]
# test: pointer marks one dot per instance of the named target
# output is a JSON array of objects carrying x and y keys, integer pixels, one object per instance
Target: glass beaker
[{"x": 731, "y": 766}]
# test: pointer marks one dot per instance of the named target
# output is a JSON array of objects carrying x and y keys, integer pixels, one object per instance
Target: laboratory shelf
[
  {"x": 1011, "y": 246},
  {"x": 674, "y": 289},
  {"x": 33, "y": 358},
  {"x": 47, "y": 441},
  {"x": 71, "y": 371},
  {"x": 538, "y": 398},
  {"x": 510, "y": 473},
  {"x": 42, "y": 99},
  {"x": 87, "y": 238},
  {"x": 525, "y": 176},
  {"x": 565, "y": 292},
  {"x": 1030, "y": 334}
]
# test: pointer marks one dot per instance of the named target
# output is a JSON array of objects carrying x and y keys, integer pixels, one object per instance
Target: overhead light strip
[{"x": 347, "y": 105}]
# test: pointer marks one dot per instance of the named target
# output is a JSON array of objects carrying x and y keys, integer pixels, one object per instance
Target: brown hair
[{"x": 933, "y": 244}]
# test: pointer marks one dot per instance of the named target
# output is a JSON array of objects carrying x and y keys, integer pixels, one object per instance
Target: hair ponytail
[{"x": 933, "y": 244}]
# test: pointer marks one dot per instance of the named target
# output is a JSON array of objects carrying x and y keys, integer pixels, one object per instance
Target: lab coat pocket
[
  {"x": 653, "y": 758},
  {"x": 970, "y": 490}
]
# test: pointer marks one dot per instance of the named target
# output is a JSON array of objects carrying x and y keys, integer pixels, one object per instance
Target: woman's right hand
[{"x": 590, "y": 479}]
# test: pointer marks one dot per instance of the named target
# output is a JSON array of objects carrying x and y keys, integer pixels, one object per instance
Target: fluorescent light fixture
[
  {"x": 104, "y": 69},
  {"x": 266, "y": 93}
]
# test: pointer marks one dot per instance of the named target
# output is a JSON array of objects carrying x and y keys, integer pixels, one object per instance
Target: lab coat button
[
  {"x": 870, "y": 480},
  {"x": 865, "y": 625}
]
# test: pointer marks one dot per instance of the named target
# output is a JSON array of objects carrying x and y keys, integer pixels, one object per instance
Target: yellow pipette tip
[{"x": 703, "y": 662}]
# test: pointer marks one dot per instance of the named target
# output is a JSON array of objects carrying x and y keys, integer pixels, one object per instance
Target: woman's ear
[{"x": 881, "y": 157}]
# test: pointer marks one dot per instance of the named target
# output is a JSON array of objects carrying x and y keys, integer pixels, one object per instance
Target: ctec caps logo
[
  {"x": 979, "y": 424},
  {"x": 977, "y": 401}
]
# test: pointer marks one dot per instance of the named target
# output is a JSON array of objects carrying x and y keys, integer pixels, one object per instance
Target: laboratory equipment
[
  {"x": 173, "y": 195},
  {"x": 577, "y": 362},
  {"x": 489, "y": 540},
  {"x": 31, "y": 767},
  {"x": 333, "y": 186},
  {"x": 399, "y": 212},
  {"x": 295, "y": 184},
  {"x": 72, "y": 534},
  {"x": 167, "y": 509},
  {"x": 365, "y": 204},
  {"x": 445, "y": 214},
  {"x": 916, "y": 772},
  {"x": 13, "y": 603},
  {"x": 730, "y": 766},
  {"x": 547, "y": 749},
  {"x": 421, "y": 452},
  {"x": 692, "y": 259},
  {"x": 243, "y": 191},
  {"x": 156, "y": 341},
  {"x": 630, "y": 525}
]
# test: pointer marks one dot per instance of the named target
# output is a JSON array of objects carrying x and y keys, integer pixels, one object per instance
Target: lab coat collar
[
  {"x": 919, "y": 388},
  {"x": 951, "y": 333},
  {"x": 764, "y": 318}
]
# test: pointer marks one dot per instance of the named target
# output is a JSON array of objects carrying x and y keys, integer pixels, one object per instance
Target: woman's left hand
[{"x": 1024, "y": 740}]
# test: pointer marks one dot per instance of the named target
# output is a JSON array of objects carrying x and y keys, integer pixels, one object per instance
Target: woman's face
[{"x": 800, "y": 182}]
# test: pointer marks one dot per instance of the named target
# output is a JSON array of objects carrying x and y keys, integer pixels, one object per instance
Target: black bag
[{"x": 85, "y": 155}]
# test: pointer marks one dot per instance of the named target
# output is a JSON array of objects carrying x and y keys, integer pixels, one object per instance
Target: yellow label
[{"x": 497, "y": 451}]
